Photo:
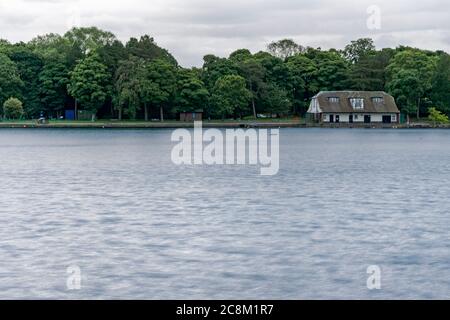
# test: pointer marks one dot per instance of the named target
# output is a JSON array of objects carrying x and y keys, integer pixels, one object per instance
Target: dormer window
[
  {"x": 333, "y": 100},
  {"x": 378, "y": 100},
  {"x": 357, "y": 103}
]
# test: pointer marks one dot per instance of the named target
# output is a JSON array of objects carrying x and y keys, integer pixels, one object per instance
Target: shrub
[
  {"x": 13, "y": 109},
  {"x": 437, "y": 116}
]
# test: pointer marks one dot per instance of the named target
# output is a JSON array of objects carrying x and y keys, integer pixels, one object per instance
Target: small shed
[{"x": 191, "y": 116}]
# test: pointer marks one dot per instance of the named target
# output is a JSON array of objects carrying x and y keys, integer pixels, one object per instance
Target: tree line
[{"x": 90, "y": 69}]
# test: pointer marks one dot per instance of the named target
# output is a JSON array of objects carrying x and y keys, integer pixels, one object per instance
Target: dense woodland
[{"x": 90, "y": 69}]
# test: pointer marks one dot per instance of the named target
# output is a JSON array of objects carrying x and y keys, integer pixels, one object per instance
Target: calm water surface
[{"x": 112, "y": 203}]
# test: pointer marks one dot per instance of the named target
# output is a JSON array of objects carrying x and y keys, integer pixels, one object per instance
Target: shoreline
[{"x": 210, "y": 125}]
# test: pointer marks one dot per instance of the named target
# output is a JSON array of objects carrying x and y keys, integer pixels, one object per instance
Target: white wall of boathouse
[{"x": 358, "y": 118}]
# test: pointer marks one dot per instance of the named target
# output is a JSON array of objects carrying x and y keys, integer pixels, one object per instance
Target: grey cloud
[{"x": 192, "y": 28}]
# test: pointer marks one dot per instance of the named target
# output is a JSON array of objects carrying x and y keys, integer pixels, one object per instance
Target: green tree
[
  {"x": 358, "y": 49},
  {"x": 231, "y": 96},
  {"x": 302, "y": 81},
  {"x": 147, "y": 49},
  {"x": 192, "y": 94},
  {"x": 369, "y": 72},
  {"x": 111, "y": 55},
  {"x": 129, "y": 84},
  {"x": 276, "y": 100},
  {"x": 276, "y": 70},
  {"x": 440, "y": 92},
  {"x": 437, "y": 117},
  {"x": 53, "y": 81},
  {"x": 160, "y": 85},
  {"x": 86, "y": 40},
  {"x": 29, "y": 65},
  {"x": 332, "y": 69},
  {"x": 214, "y": 68},
  {"x": 407, "y": 87},
  {"x": 10, "y": 82},
  {"x": 88, "y": 83},
  {"x": 284, "y": 48},
  {"x": 50, "y": 44},
  {"x": 13, "y": 109},
  {"x": 4, "y": 44},
  {"x": 240, "y": 55},
  {"x": 406, "y": 62},
  {"x": 254, "y": 73}
]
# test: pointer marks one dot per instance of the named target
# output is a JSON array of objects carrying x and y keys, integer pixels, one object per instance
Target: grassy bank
[
  {"x": 153, "y": 124},
  {"x": 260, "y": 123}
]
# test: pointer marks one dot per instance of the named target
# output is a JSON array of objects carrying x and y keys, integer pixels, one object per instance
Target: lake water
[{"x": 137, "y": 226}]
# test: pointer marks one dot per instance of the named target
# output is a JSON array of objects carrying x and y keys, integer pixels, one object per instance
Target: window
[
  {"x": 357, "y": 103},
  {"x": 378, "y": 100},
  {"x": 333, "y": 100},
  {"x": 394, "y": 118}
]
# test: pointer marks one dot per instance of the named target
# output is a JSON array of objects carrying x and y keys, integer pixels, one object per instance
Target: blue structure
[{"x": 70, "y": 115}]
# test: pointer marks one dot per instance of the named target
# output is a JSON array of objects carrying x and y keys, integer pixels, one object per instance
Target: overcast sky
[{"x": 192, "y": 28}]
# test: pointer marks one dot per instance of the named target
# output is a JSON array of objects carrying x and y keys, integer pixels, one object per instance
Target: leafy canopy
[{"x": 88, "y": 82}]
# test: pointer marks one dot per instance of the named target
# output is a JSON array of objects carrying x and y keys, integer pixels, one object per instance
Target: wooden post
[
  {"x": 418, "y": 109},
  {"x": 76, "y": 110},
  {"x": 146, "y": 111}
]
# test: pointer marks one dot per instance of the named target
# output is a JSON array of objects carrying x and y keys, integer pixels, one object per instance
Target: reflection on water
[{"x": 112, "y": 203}]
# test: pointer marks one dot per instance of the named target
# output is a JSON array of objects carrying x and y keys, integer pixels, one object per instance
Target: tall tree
[
  {"x": 358, "y": 49},
  {"x": 230, "y": 96},
  {"x": 440, "y": 92},
  {"x": 276, "y": 100},
  {"x": 160, "y": 77},
  {"x": 191, "y": 92},
  {"x": 276, "y": 70},
  {"x": 29, "y": 65},
  {"x": 302, "y": 81},
  {"x": 112, "y": 54},
  {"x": 215, "y": 68},
  {"x": 86, "y": 40},
  {"x": 413, "y": 61},
  {"x": 88, "y": 83},
  {"x": 332, "y": 69},
  {"x": 254, "y": 73},
  {"x": 10, "y": 82},
  {"x": 284, "y": 48},
  {"x": 4, "y": 44},
  {"x": 147, "y": 49},
  {"x": 129, "y": 83},
  {"x": 240, "y": 55},
  {"x": 53, "y": 81},
  {"x": 407, "y": 88},
  {"x": 369, "y": 72}
]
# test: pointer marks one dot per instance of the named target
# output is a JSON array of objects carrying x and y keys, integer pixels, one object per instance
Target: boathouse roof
[{"x": 353, "y": 102}]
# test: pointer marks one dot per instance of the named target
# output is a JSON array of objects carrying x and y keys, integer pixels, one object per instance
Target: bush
[
  {"x": 13, "y": 109},
  {"x": 437, "y": 116}
]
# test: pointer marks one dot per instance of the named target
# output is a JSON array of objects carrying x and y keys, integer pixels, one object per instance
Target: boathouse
[{"x": 363, "y": 107}]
